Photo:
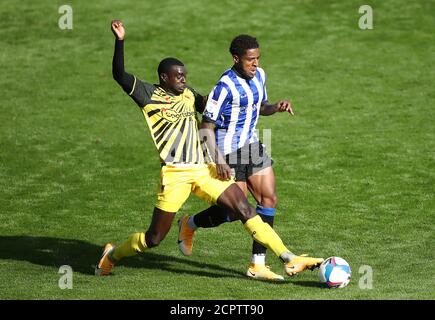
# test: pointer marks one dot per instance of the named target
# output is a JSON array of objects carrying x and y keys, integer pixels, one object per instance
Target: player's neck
[
  {"x": 169, "y": 90},
  {"x": 239, "y": 72}
]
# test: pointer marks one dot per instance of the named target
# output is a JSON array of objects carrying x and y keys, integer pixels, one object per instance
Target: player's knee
[
  {"x": 246, "y": 211},
  {"x": 269, "y": 201}
]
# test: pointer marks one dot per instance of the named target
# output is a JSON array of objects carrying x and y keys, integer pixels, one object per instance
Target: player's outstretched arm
[
  {"x": 124, "y": 79},
  {"x": 281, "y": 106}
]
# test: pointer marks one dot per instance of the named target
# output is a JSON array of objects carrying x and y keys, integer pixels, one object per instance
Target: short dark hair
[
  {"x": 167, "y": 63},
  {"x": 242, "y": 43}
]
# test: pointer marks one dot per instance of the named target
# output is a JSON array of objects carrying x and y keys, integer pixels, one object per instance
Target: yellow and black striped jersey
[{"x": 172, "y": 121}]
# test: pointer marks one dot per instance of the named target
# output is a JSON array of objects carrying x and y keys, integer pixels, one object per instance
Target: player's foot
[
  {"x": 185, "y": 235},
  {"x": 301, "y": 263},
  {"x": 262, "y": 272},
  {"x": 104, "y": 266}
]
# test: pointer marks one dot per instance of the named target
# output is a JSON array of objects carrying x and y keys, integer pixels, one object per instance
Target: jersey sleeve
[
  {"x": 141, "y": 92},
  {"x": 263, "y": 82},
  {"x": 199, "y": 100},
  {"x": 218, "y": 99}
]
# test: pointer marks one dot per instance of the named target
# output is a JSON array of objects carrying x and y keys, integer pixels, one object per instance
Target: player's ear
[
  {"x": 236, "y": 58},
  {"x": 164, "y": 77}
]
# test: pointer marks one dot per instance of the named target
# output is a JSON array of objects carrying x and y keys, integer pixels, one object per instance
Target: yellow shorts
[{"x": 177, "y": 182}]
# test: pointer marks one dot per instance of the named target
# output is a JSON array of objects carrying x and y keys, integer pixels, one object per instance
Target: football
[{"x": 335, "y": 272}]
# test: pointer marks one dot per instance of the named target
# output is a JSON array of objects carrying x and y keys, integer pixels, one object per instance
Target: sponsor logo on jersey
[{"x": 173, "y": 116}]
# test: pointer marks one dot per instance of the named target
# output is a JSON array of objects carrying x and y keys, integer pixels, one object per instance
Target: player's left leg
[
  {"x": 229, "y": 196},
  {"x": 235, "y": 201}
]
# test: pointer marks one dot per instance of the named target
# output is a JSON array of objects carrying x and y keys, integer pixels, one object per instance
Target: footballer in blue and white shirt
[
  {"x": 229, "y": 122},
  {"x": 234, "y": 107}
]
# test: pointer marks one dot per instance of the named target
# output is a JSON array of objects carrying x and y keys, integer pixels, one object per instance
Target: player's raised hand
[
  {"x": 118, "y": 29},
  {"x": 283, "y": 106}
]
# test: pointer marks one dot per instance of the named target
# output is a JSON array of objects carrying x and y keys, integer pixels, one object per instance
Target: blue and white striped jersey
[{"x": 234, "y": 106}]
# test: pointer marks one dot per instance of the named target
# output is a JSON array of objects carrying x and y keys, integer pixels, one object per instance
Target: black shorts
[{"x": 248, "y": 160}]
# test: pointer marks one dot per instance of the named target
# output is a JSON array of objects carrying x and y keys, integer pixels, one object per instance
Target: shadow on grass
[
  {"x": 82, "y": 256},
  {"x": 313, "y": 284}
]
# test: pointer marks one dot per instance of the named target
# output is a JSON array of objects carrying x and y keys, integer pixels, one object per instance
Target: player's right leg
[
  {"x": 137, "y": 242},
  {"x": 209, "y": 218},
  {"x": 174, "y": 190}
]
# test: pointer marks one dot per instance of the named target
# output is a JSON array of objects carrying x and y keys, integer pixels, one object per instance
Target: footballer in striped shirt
[{"x": 232, "y": 112}]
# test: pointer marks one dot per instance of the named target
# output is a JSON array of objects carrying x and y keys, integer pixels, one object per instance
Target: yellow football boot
[
  {"x": 301, "y": 263},
  {"x": 105, "y": 265},
  {"x": 262, "y": 272}
]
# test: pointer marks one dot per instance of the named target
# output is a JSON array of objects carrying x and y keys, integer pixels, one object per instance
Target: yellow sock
[
  {"x": 134, "y": 244},
  {"x": 264, "y": 234}
]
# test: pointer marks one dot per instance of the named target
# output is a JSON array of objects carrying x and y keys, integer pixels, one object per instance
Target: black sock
[{"x": 211, "y": 217}]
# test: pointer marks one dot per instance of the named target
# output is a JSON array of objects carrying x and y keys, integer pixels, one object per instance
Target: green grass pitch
[{"x": 355, "y": 167}]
